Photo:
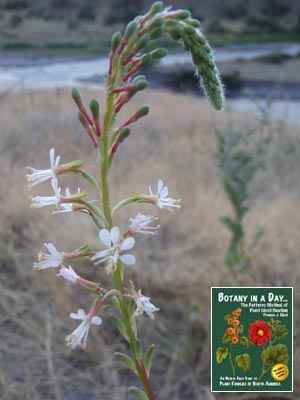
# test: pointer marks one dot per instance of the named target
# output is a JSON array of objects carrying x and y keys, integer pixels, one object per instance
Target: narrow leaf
[
  {"x": 148, "y": 358},
  {"x": 138, "y": 349},
  {"x": 119, "y": 324},
  {"x": 138, "y": 393},
  {"x": 127, "y": 361}
]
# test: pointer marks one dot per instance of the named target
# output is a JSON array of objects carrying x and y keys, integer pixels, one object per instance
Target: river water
[{"x": 32, "y": 72}]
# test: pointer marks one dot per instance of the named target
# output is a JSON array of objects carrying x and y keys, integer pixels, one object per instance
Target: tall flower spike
[
  {"x": 161, "y": 199},
  {"x": 79, "y": 336},
  {"x": 52, "y": 260},
  {"x": 143, "y": 305},
  {"x": 42, "y": 175},
  {"x": 115, "y": 246},
  {"x": 140, "y": 224}
]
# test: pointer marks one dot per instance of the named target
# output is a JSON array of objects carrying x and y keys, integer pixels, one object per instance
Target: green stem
[
  {"x": 231, "y": 361},
  {"x": 131, "y": 337}
]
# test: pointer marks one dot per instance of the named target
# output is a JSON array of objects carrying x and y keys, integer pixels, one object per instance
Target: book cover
[{"x": 252, "y": 339}]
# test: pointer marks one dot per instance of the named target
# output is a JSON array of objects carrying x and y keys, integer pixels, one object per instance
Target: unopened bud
[
  {"x": 179, "y": 14},
  {"x": 124, "y": 133},
  {"x": 115, "y": 41},
  {"x": 175, "y": 32},
  {"x": 193, "y": 22},
  {"x": 94, "y": 107},
  {"x": 159, "y": 53},
  {"x": 83, "y": 120},
  {"x": 141, "y": 85},
  {"x": 142, "y": 42},
  {"x": 146, "y": 60},
  {"x": 157, "y": 21},
  {"x": 138, "y": 78},
  {"x": 144, "y": 110},
  {"x": 156, "y": 8},
  {"x": 188, "y": 29},
  {"x": 157, "y": 33},
  {"x": 131, "y": 27},
  {"x": 77, "y": 97}
]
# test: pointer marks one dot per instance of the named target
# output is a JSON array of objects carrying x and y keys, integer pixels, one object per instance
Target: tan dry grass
[{"x": 176, "y": 268}]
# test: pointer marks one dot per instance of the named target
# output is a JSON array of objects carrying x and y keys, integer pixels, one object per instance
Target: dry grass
[{"x": 176, "y": 269}]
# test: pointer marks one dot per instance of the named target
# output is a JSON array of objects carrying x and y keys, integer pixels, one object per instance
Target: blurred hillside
[{"x": 25, "y": 22}]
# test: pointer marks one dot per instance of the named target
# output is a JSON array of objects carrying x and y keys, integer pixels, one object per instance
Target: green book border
[{"x": 292, "y": 337}]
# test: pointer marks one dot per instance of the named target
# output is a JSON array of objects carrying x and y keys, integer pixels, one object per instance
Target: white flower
[
  {"x": 52, "y": 260},
  {"x": 38, "y": 176},
  {"x": 115, "y": 246},
  {"x": 161, "y": 199},
  {"x": 65, "y": 207},
  {"x": 143, "y": 305},
  {"x": 79, "y": 336},
  {"x": 42, "y": 201},
  {"x": 140, "y": 224},
  {"x": 69, "y": 274}
]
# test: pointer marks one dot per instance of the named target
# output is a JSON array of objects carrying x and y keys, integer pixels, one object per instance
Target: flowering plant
[{"x": 130, "y": 53}]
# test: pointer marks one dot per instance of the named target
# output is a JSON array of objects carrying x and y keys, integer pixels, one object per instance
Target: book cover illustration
[{"x": 252, "y": 339}]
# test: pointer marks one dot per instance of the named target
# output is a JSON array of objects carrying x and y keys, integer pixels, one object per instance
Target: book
[{"x": 251, "y": 339}]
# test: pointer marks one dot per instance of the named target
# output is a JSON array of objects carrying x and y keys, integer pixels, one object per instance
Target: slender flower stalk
[{"x": 130, "y": 54}]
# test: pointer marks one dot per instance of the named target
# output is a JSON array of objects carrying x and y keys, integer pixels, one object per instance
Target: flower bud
[
  {"x": 175, "y": 32},
  {"x": 157, "y": 21},
  {"x": 159, "y": 53},
  {"x": 144, "y": 110},
  {"x": 124, "y": 133},
  {"x": 157, "y": 33},
  {"x": 156, "y": 8},
  {"x": 193, "y": 22},
  {"x": 94, "y": 107},
  {"x": 141, "y": 85},
  {"x": 142, "y": 42},
  {"x": 131, "y": 27},
  {"x": 115, "y": 41},
  {"x": 179, "y": 14},
  {"x": 188, "y": 29},
  {"x": 77, "y": 97}
]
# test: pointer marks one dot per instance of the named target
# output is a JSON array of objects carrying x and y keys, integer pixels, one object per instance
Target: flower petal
[
  {"x": 52, "y": 156},
  {"x": 96, "y": 320},
  {"x": 160, "y": 185},
  {"x": 105, "y": 238},
  {"x": 51, "y": 249},
  {"x": 115, "y": 234},
  {"x": 127, "y": 259},
  {"x": 127, "y": 244},
  {"x": 164, "y": 192},
  {"x": 79, "y": 315}
]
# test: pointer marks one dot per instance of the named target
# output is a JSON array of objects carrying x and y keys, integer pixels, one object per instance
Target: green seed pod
[
  {"x": 157, "y": 33},
  {"x": 76, "y": 97},
  {"x": 115, "y": 41},
  {"x": 94, "y": 107},
  {"x": 124, "y": 132},
  {"x": 156, "y": 8},
  {"x": 131, "y": 27},
  {"x": 159, "y": 53}
]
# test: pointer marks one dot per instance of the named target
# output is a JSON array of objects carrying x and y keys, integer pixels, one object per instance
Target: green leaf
[
  {"x": 138, "y": 349},
  {"x": 148, "y": 358},
  {"x": 127, "y": 361},
  {"x": 119, "y": 324},
  {"x": 279, "y": 332},
  {"x": 131, "y": 308},
  {"x": 226, "y": 338},
  {"x": 138, "y": 393},
  {"x": 221, "y": 354},
  {"x": 275, "y": 354},
  {"x": 116, "y": 302},
  {"x": 243, "y": 361},
  {"x": 244, "y": 341}
]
